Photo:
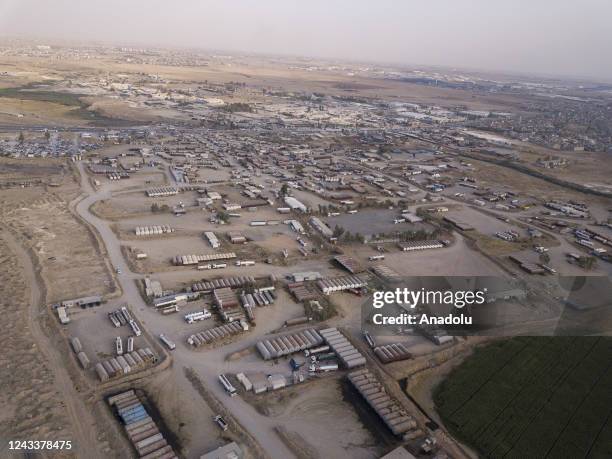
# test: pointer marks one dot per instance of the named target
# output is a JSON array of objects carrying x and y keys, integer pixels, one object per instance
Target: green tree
[
  {"x": 284, "y": 189},
  {"x": 338, "y": 231}
]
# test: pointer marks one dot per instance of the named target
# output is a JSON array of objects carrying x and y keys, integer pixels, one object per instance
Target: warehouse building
[
  {"x": 419, "y": 245},
  {"x": 339, "y": 284},
  {"x": 346, "y": 352},
  {"x": 349, "y": 263},
  {"x": 152, "y": 230},
  {"x": 170, "y": 300},
  {"x": 459, "y": 224},
  {"x": 162, "y": 192},
  {"x": 195, "y": 259},
  {"x": 231, "y": 282},
  {"x": 305, "y": 276},
  {"x": 321, "y": 227},
  {"x": 280, "y": 346},
  {"x": 392, "y": 353},
  {"x": 217, "y": 333},
  {"x": 295, "y": 204}
]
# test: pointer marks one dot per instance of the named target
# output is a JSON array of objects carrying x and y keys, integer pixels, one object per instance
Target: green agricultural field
[
  {"x": 533, "y": 398},
  {"x": 70, "y": 100}
]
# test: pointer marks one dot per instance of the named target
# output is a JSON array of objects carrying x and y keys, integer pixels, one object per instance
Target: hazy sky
[{"x": 566, "y": 37}]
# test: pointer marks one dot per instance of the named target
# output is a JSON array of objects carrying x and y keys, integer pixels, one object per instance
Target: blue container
[
  {"x": 131, "y": 410},
  {"x": 133, "y": 413},
  {"x": 135, "y": 418}
]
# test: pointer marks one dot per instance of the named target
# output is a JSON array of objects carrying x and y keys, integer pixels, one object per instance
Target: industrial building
[
  {"x": 231, "y": 282},
  {"x": 305, "y": 276},
  {"x": 152, "y": 230},
  {"x": 170, "y": 300},
  {"x": 288, "y": 344},
  {"x": 162, "y": 192},
  {"x": 349, "y": 263},
  {"x": 346, "y": 352},
  {"x": 303, "y": 292},
  {"x": 392, "y": 353},
  {"x": 419, "y": 245},
  {"x": 217, "y": 333},
  {"x": 294, "y": 204},
  {"x": 195, "y": 259},
  {"x": 339, "y": 284},
  {"x": 321, "y": 227}
]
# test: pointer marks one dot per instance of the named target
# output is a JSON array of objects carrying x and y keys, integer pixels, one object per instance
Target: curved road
[{"x": 207, "y": 365}]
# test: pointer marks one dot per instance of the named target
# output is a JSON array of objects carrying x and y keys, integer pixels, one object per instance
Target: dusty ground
[
  {"x": 69, "y": 252},
  {"x": 31, "y": 406},
  {"x": 308, "y": 419},
  {"x": 40, "y": 396}
]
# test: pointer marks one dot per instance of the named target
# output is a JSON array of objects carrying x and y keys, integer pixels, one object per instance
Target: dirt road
[
  {"x": 83, "y": 423},
  {"x": 260, "y": 427}
]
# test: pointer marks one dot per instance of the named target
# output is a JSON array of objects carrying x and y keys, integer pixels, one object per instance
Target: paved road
[{"x": 207, "y": 365}]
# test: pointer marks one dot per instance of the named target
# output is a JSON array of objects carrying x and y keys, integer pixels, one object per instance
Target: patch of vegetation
[
  {"x": 67, "y": 99},
  {"x": 157, "y": 208},
  {"x": 74, "y": 101},
  {"x": 237, "y": 107},
  {"x": 320, "y": 309},
  {"x": 533, "y": 397}
]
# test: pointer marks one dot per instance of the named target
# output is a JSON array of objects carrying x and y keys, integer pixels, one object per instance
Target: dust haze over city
[
  {"x": 548, "y": 37},
  {"x": 309, "y": 230}
]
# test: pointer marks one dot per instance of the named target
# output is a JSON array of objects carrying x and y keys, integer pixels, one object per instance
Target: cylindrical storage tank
[
  {"x": 83, "y": 359},
  {"x": 265, "y": 354},
  {"x": 76, "y": 345},
  {"x": 133, "y": 429},
  {"x": 139, "y": 424},
  {"x": 102, "y": 374},
  {"x": 131, "y": 362},
  {"x": 123, "y": 363},
  {"x": 266, "y": 344},
  {"x": 162, "y": 453},
  {"x": 109, "y": 368},
  {"x": 152, "y": 447},
  {"x": 148, "y": 441},
  {"x": 122, "y": 396},
  {"x": 136, "y": 437}
]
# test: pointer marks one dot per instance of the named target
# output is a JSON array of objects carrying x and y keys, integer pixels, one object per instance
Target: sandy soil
[{"x": 308, "y": 420}]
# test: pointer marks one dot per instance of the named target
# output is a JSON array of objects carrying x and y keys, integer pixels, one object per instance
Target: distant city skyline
[{"x": 565, "y": 39}]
